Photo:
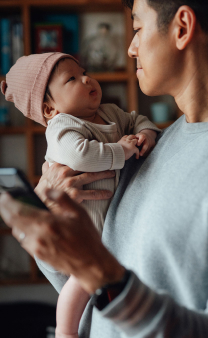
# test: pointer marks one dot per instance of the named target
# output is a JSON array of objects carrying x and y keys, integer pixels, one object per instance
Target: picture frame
[{"x": 48, "y": 38}]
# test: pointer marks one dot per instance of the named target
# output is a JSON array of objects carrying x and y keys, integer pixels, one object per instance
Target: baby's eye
[
  {"x": 71, "y": 79},
  {"x": 85, "y": 73},
  {"x": 136, "y": 30}
]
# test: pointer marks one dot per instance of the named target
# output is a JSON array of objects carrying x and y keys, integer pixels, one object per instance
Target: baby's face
[{"x": 73, "y": 91}]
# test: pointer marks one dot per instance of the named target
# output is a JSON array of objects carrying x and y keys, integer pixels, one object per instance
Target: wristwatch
[{"x": 109, "y": 292}]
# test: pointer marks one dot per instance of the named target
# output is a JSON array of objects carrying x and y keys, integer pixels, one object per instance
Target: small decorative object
[
  {"x": 160, "y": 112},
  {"x": 99, "y": 52},
  {"x": 48, "y": 38},
  {"x": 70, "y": 29}
]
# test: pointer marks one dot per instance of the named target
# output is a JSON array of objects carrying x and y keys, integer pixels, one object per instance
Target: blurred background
[{"x": 98, "y": 33}]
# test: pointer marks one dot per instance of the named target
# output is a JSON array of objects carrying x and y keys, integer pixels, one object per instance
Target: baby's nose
[{"x": 86, "y": 79}]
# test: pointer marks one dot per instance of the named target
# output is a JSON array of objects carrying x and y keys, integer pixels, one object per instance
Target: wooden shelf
[
  {"x": 22, "y": 279},
  {"x": 66, "y": 2},
  {"x": 11, "y": 3},
  {"x": 12, "y": 130},
  {"x": 79, "y": 5},
  {"x": 71, "y": 3},
  {"x": 120, "y": 76},
  {"x": 5, "y": 231},
  {"x": 110, "y": 76},
  {"x": 38, "y": 129}
]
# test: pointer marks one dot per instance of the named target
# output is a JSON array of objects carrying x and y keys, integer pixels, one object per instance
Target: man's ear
[
  {"x": 48, "y": 111},
  {"x": 185, "y": 19}
]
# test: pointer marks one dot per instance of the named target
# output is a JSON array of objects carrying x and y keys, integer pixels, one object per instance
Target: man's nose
[
  {"x": 86, "y": 79},
  {"x": 133, "y": 48}
]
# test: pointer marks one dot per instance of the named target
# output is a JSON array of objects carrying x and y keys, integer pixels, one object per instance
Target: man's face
[
  {"x": 155, "y": 52},
  {"x": 73, "y": 91}
]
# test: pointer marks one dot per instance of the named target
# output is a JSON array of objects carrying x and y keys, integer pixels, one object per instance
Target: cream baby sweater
[{"x": 90, "y": 147}]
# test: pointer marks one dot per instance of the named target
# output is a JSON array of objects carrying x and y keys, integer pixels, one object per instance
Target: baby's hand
[
  {"x": 129, "y": 143},
  {"x": 146, "y": 138}
]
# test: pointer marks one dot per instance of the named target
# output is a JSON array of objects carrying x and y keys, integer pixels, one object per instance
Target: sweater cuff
[
  {"x": 118, "y": 156},
  {"x": 136, "y": 309}
]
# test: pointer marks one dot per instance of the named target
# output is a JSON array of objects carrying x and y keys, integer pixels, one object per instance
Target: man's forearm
[
  {"x": 104, "y": 269},
  {"x": 141, "y": 312}
]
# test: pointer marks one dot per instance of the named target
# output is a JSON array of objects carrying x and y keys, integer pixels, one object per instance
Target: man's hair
[{"x": 167, "y": 9}]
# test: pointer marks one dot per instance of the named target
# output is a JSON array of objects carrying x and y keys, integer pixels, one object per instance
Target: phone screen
[{"x": 15, "y": 183}]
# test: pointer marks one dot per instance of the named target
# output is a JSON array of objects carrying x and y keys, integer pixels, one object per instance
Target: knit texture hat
[{"x": 26, "y": 83}]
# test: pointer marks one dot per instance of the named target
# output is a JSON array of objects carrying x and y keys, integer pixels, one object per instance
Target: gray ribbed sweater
[{"x": 157, "y": 226}]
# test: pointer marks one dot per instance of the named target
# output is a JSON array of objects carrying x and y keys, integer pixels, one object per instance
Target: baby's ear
[{"x": 48, "y": 111}]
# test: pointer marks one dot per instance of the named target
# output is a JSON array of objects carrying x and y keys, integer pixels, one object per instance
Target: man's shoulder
[{"x": 174, "y": 126}]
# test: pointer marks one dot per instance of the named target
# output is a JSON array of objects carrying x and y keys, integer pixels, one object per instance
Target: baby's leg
[
  {"x": 97, "y": 209},
  {"x": 71, "y": 304}
]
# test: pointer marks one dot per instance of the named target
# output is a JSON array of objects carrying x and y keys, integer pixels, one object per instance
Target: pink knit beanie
[{"x": 26, "y": 83}]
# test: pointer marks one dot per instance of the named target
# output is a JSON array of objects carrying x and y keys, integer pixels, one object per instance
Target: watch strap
[{"x": 109, "y": 292}]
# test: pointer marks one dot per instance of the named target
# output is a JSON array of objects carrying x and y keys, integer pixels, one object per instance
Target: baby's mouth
[{"x": 93, "y": 92}]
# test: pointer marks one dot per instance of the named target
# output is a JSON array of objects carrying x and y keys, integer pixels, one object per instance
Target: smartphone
[{"x": 14, "y": 181}]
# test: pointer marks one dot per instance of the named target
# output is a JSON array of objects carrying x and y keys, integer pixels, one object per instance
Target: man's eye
[{"x": 71, "y": 79}]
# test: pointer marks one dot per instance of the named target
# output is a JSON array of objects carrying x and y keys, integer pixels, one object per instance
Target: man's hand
[
  {"x": 146, "y": 138},
  {"x": 65, "y": 179},
  {"x": 68, "y": 241},
  {"x": 129, "y": 143}
]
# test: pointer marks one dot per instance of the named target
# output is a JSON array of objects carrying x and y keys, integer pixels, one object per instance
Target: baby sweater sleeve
[
  {"x": 142, "y": 122},
  {"x": 69, "y": 147},
  {"x": 140, "y": 312},
  {"x": 132, "y": 123}
]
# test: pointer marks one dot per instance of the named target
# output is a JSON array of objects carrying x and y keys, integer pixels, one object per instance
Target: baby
[{"x": 54, "y": 90}]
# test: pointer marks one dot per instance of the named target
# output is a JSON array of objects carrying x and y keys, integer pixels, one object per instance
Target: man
[{"x": 157, "y": 222}]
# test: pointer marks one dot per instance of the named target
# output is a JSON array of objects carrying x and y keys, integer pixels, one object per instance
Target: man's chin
[{"x": 149, "y": 90}]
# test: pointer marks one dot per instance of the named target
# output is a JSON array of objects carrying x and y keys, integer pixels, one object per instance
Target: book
[
  {"x": 5, "y": 48},
  {"x": 17, "y": 48},
  {"x": 11, "y": 42}
]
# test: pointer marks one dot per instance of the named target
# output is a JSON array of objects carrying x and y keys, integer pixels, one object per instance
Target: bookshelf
[{"x": 33, "y": 134}]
